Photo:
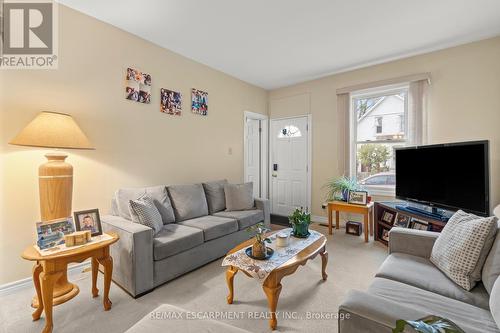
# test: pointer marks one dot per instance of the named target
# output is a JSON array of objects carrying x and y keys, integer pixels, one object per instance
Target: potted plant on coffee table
[
  {"x": 300, "y": 221},
  {"x": 259, "y": 250}
]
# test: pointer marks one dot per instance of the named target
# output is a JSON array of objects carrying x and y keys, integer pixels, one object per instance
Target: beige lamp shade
[{"x": 53, "y": 130}]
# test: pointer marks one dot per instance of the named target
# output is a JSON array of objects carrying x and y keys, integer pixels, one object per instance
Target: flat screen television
[{"x": 451, "y": 176}]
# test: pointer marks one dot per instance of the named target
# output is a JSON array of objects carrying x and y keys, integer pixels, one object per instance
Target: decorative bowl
[{"x": 269, "y": 253}]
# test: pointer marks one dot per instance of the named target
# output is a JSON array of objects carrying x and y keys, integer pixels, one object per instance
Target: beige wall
[
  {"x": 136, "y": 144},
  {"x": 464, "y": 104}
]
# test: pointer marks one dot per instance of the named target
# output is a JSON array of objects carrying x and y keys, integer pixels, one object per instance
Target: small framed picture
[
  {"x": 402, "y": 221},
  {"x": 388, "y": 217},
  {"x": 385, "y": 235},
  {"x": 419, "y": 225},
  {"x": 51, "y": 233},
  {"x": 358, "y": 197},
  {"x": 353, "y": 228},
  {"x": 88, "y": 220},
  {"x": 199, "y": 102}
]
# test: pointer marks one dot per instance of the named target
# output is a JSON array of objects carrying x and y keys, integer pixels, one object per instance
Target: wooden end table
[
  {"x": 272, "y": 284},
  {"x": 51, "y": 280},
  {"x": 342, "y": 206}
]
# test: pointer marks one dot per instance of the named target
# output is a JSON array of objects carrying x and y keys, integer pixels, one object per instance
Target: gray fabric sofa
[
  {"x": 196, "y": 230},
  {"x": 408, "y": 286}
]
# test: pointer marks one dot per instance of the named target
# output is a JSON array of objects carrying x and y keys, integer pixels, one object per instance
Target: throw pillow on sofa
[
  {"x": 189, "y": 201},
  {"x": 462, "y": 247},
  {"x": 157, "y": 193},
  {"x": 239, "y": 196},
  {"x": 144, "y": 211},
  {"x": 216, "y": 199}
]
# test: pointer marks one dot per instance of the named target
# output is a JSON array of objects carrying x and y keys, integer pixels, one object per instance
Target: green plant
[
  {"x": 300, "y": 216},
  {"x": 374, "y": 157},
  {"x": 337, "y": 188},
  {"x": 430, "y": 324},
  {"x": 259, "y": 232}
]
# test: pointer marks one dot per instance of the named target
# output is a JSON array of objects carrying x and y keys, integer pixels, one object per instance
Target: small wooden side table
[
  {"x": 342, "y": 206},
  {"x": 51, "y": 281}
]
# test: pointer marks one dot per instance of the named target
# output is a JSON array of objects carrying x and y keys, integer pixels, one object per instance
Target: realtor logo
[{"x": 29, "y": 34}]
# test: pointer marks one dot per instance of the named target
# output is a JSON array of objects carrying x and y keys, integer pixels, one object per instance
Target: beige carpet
[{"x": 352, "y": 264}]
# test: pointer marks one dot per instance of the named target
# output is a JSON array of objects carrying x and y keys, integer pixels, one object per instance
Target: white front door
[
  {"x": 252, "y": 154},
  {"x": 289, "y": 164}
]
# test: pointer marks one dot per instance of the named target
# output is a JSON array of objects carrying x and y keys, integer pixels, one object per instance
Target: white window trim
[{"x": 353, "y": 142}]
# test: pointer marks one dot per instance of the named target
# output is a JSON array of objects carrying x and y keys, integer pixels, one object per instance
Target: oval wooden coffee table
[
  {"x": 51, "y": 280},
  {"x": 272, "y": 284}
]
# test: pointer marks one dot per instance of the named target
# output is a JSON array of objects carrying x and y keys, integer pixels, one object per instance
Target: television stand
[
  {"x": 391, "y": 214},
  {"x": 434, "y": 214}
]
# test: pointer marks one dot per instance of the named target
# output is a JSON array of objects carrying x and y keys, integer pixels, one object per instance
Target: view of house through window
[{"x": 380, "y": 125}]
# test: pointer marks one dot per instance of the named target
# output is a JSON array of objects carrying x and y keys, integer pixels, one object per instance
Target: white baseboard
[{"x": 11, "y": 287}]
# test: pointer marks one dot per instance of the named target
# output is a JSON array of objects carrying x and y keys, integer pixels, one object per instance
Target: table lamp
[{"x": 55, "y": 177}]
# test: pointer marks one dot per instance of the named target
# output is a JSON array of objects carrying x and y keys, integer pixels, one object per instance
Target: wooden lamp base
[{"x": 55, "y": 181}]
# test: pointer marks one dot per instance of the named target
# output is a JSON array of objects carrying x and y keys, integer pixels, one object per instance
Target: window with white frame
[{"x": 379, "y": 123}]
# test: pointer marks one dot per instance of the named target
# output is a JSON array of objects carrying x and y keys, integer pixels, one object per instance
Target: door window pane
[{"x": 289, "y": 132}]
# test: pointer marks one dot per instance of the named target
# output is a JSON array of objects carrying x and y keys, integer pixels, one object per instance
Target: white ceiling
[{"x": 274, "y": 43}]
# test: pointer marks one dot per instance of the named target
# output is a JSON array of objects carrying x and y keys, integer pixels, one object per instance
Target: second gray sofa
[
  {"x": 196, "y": 230},
  {"x": 408, "y": 286}
]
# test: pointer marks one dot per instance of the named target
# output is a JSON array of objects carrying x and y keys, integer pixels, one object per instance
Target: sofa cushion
[
  {"x": 157, "y": 193},
  {"x": 189, "y": 201},
  {"x": 175, "y": 238},
  {"x": 214, "y": 192},
  {"x": 470, "y": 318},
  {"x": 212, "y": 226},
  {"x": 495, "y": 302},
  {"x": 144, "y": 211},
  {"x": 491, "y": 267},
  {"x": 239, "y": 196},
  {"x": 245, "y": 218},
  {"x": 462, "y": 247},
  {"x": 421, "y": 273}
]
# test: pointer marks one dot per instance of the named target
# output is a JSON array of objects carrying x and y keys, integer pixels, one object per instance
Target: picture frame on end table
[
  {"x": 51, "y": 233},
  {"x": 357, "y": 197},
  {"x": 88, "y": 220}
]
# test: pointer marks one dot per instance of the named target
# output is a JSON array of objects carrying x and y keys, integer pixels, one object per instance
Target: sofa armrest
[
  {"x": 265, "y": 206},
  {"x": 410, "y": 241},
  {"x": 365, "y": 312},
  {"x": 132, "y": 254}
]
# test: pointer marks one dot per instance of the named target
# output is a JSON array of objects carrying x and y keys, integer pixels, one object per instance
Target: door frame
[
  {"x": 264, "y": 149},
  {"x": 309, "y": 159}
]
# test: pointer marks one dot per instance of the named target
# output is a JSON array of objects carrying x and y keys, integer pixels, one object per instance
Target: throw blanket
[{"x": 260, "y": 269}]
